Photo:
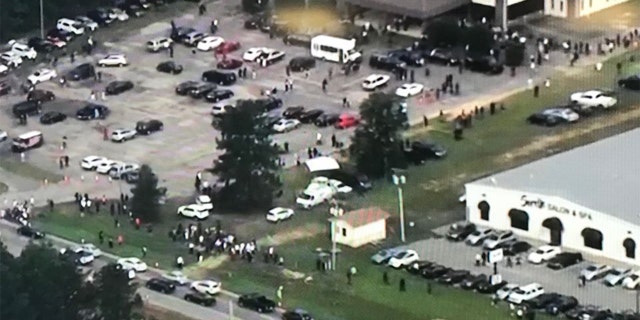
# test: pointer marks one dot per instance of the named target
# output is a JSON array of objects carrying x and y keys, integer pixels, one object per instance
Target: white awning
[{"x": 322, "y": 164}]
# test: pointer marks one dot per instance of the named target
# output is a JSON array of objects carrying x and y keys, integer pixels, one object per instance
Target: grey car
[{"x": 383, "y": 256}]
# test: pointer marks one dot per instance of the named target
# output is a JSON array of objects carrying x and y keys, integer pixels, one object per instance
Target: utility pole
[
  {"x": 333, "y": 245},
  {"x": 230, "y": 310},
  {"x": 41, "y": 20},
  {"x": 399, "y": 180}
]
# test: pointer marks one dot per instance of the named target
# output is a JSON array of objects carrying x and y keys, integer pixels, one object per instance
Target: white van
[
  {"x": 26, "y": 141},
  {"x": 334, "y": 49},
  {"x": 69, "y": 25},
  {"x": 314, "y": 196},
  {"x": 525, "y": 293}
]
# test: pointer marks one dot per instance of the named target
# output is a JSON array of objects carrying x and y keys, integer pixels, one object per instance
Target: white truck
[
  {"x": 335, "y": 49},
  {"x": 316, "y": 193}
]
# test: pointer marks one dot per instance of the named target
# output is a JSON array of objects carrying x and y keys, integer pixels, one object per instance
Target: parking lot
[{"x": 564, "y": 281}]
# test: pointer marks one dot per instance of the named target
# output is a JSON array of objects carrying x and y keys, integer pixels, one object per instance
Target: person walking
[
  {"x": 402, "y": 285},
  {"x": 279, "y": 295},
  {"x": 385, "y": 278},
  {"x": 349, "y": 276},
  {"x": 144, "y": 252},
  {"x": 180, "y": 262}
]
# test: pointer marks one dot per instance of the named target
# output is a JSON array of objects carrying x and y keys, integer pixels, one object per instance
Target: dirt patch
[
  {"x": 546, "y": 142},
  {"x": 200, "y": 270},
  {"x": 306, "y": 231}
]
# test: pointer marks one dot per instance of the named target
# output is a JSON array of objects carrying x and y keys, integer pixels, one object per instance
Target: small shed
[{"x": 359, "y": 227}]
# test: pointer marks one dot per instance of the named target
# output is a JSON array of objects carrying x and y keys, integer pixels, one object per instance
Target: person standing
[
  {"x": 402, "y": 285},
  {"x": 144, "y": 252},
  {"x": 279, "y": 295},
  {"x": 349, "y": 276},
  {"x": 385, "y": 278}
]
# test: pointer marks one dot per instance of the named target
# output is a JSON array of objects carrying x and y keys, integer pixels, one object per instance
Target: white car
[
  {"x": 543, "y": 253},
  {"x": 132, "y": 263},
  {"x": 24, "y": 51},
  {"x": 105, "y": 166},
  {"x": 340, "y": 186},
  {"x": 11, "y": 59},
  {"x": 4, "y": 70},
  {"x": 209, "y": 43},
  {"x": 87, "y": 23},
  {"x": 157, "y": 44},
  {"x": 279, "y": 214},
  {"x": 254, "y": 53},
  {"x": 271, "y": 56},
  {"x": 3, "y": 135},
  {"x": 616, "y": 276},
  {"x": 204, "y": 201},
  {"x": 375, "y": 81},
  {"x": 121, "y": 135},
  {"x": 90, "y": 248},
  {"x": 118, "y": 14},
  {"x": 112, "y": 60},
  {"x": 409, "y": 90},
  {"x": 477, "y": 237},
  {"x": 565, "y": 114},
  {"x": 285, "y": 125},
  {"x": 92, "y": 162},
  {"x": 78, "y": 255},
  {"x": 117, "y": 171},
  {"x": 42, "y": 75},
  {"x": 209, "y": 287},
  {"x": 194, "y": 211},
  {"x": 632, "y": 281},
  {"x": 593, "y": 98},
  {"x": 595, "y": 271},
  {"x": 403, "y": 258},
  {"x": 525, "y": 293},
  {"x": 498, "y": 239},
  {"x": 220, "y": 109},
  {"x": 71, "y": 26},
  {"x": 504, "y": 292},
  {"x": 177, "y": 277}
]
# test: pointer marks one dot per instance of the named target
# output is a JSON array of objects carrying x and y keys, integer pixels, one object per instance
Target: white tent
[{"x": 322, "y": 164}]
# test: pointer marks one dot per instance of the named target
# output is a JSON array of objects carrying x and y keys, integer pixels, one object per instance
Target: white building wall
[
  {"x": 362, "y": 235},
  {"x": 492, "y": 3},
  {"x": 587, "y": 7},
  {"x": 574, "y": 218},
  {"x": 556, "y": 8},
  {"x": 559, "y": 8}
]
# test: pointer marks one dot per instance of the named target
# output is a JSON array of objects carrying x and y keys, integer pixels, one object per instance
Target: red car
[
  {"x": 228, "y": 64},
  {"x": 228, "y": 46},
  {"x": 346, "y": 120}
]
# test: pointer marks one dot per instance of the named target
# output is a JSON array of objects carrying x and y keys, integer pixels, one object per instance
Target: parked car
[
  {"x": 421, "y": 151},
  {"x": 460, "y": 231},
  {"x": 161, "y": 285},
  {"x": 30, "y": 232},
  {"x": 408, "y": 90},
  {"x": 157, "y": 44},
  {"x": 279, "y": 214},
  {"x": 228, "y": 47},
  {"x": 413, "y": 58},
  {"x": 81, "y": 72},
  {"x": 632, "y": 82},
  {"x": 195, "y": 211},
  {"x": 179, "y": 34},
  {"x": 209, "y": 43},
  {"x": 200, "y": 298},
  {"x": 169, "y": 67},
  {"x": 595, "y": 271},
  {"x": 92, "y": 112},
  {"x": 486, "y": 64},
  {"x": 185, "y": 87},
  {"x": 297, "y": 314},
  {"x": 403, "y": 258},
  {"x": 202, "y": 90},
  {"x": 496, "y": 240},
  {"x": 192, "y": 38},
  {"x": 515, "y": 248},
  {"x": 525, "y": 293},
  {"x": 219, "y": 77},
  {"x": 24, "y": 51},
  {"x": 310, "y": 116},
  {"x": 616, "y": 276},
  {"x": 299, "y": 64},
  {"x": 543, "y": 253},
  {"x": 77, "y": 256},
  {"x": 593, "y": 98},
  {"x": 453, "y": 277},
  {"x": 418, "y": 266},
  {"x": 346, "y": 121},
  {"x": 582, "y": 312},
  {"x": 553, "y": 116},
  {"x": 386, "y": 62},
  {"x": 132, "y": 264},
  {"x": 28, "y": 108},
  {"x": 541, "y": 301},
  {"x": 293, "y": 112},
  {"x": 443, "y": 56},
  {"x": 301, "y": 40},
  {"x": 326, "y": 119},
  {"x": 472, "y": 281},
  {"x": 52, "y": 117},
  {"x": 122, "y": 135},
  {"x": 148, "y": 127},
  {"x": 375, "y": 81},
  {"x": 504, "y": 292},
  {"x": 41, "y": 45},
  {"x": 485, "y": 286},
  {"x": 286, "y": 125},
  {"x": 435, "y": 272},
  {"x": 256, "y": 302},
  {"x": 118, "y": 87},
  {"x": 218, "y": 95},
  {"x": 87, "y": 23},
  {"x": 40, "y": 95},
  {"x": 564, "y": 259},
  {"x": 113, "y": 60},
  {"x": 383, "y": 256},
  {"x": 229, "y": 64},
  {"x": 561, "y": 305},
  {"x": 270, "y": 103},
  {"x": 10, "y": 59},
  {"x": 209, "y": 287},
  {"x": 632, "y": 281},
  {"x": 477, "y": 237}
]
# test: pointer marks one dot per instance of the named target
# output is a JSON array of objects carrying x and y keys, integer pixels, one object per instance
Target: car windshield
[
  {"x": 304, "y": 196},
  {"x": 494, "y": 237},
  {"x": 592, "y": 268},
  {"x": 616, "y": 272},
  {"x": 401, "y": 255},
  {"x": 540, "y": 251},
  {"x": 519, "y": 291},
  {"x": 634, "y": 277}
]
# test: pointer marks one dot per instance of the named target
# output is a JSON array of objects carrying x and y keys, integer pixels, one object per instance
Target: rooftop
[
  {"x": 603, "y": 176},
  {"x": 363, "y": 216},
  {"x": 414, "y": 8}
]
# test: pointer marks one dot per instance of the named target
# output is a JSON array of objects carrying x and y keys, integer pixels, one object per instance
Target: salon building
[
  {"x": 577, "y": 8},
  {"x": 585, "y": 199}
]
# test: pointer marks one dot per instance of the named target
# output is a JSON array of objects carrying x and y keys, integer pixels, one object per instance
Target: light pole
[
  {"x": 399, "y": 180},
  {"x": 41, "y": 20}
]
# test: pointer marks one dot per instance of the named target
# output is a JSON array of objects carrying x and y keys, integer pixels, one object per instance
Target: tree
[
  {"x": 114, "y": 293},
  {"x": 255, "y": 6},
  {"x": 40, "y": 285},
  {"x": 443, "y": 33},
  {"x": 377, "y": 143},
  {"x": 248, "y": 167},
  {"x": 145, "y": 200},
  {"x": 479, "y": 38}
]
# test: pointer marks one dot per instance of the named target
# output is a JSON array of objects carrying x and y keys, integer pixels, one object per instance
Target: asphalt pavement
[{"x": 225, "y": 308}]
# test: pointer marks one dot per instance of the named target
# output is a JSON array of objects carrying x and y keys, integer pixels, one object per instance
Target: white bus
[{"x": 334, "y": 49}]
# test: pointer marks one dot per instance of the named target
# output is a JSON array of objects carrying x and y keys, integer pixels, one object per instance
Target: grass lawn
[{"x": 27, "y": 170}]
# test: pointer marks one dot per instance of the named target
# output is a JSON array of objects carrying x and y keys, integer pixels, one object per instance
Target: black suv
[
  {"x": 419, "y": 152},
  {"x": 484, "y": 64},
  {"x": 148, "y": 127},
  {"x": 459, "y": 232},
  {"x": 81, "y": 72},
  {"x": 301, "y": 40},
  {"x": 256, "y": 302},
  {"x": 293, "y": 112},
  {"x": 310, "y": 115},
  {"x": 385, "y": 62},
  {"x": 410, "y": 57},
  {"x": 632, "y": 82},
  {"x": 40, "y": 95},
  {"x": 180, "y": 33},
  {"x": 221, "y": 78},
  {"x": 298, "y": 64},
  {"x": 161, "y": 285},
  {"x": 169, "y": 67},
  {"x": 200, "y": 298},
  {"x": 270, "y": 103},
  {"x": 201, "y": 90},
  {"x": 30, "y": 232},
  {"x": 29, "y": 108},
  {"x": 92, "y": 112},
  {"x": 327, "y": 119},
  {"x": 118, "y": 87},
  {"x": 564, "y": 259},
  {"x": 41, "y": 45},
  {"x": 184, "y": 88}
]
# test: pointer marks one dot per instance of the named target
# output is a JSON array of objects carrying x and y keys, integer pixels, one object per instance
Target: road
[{"x": 221, "y": 311}]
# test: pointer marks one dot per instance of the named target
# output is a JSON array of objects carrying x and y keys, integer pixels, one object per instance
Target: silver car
[
  {"x": 595, "y": 271},
  {"x": 616, "y": 276},
  {"x": 478, "y": 236},
  {"x": 383, "y": 256}
]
